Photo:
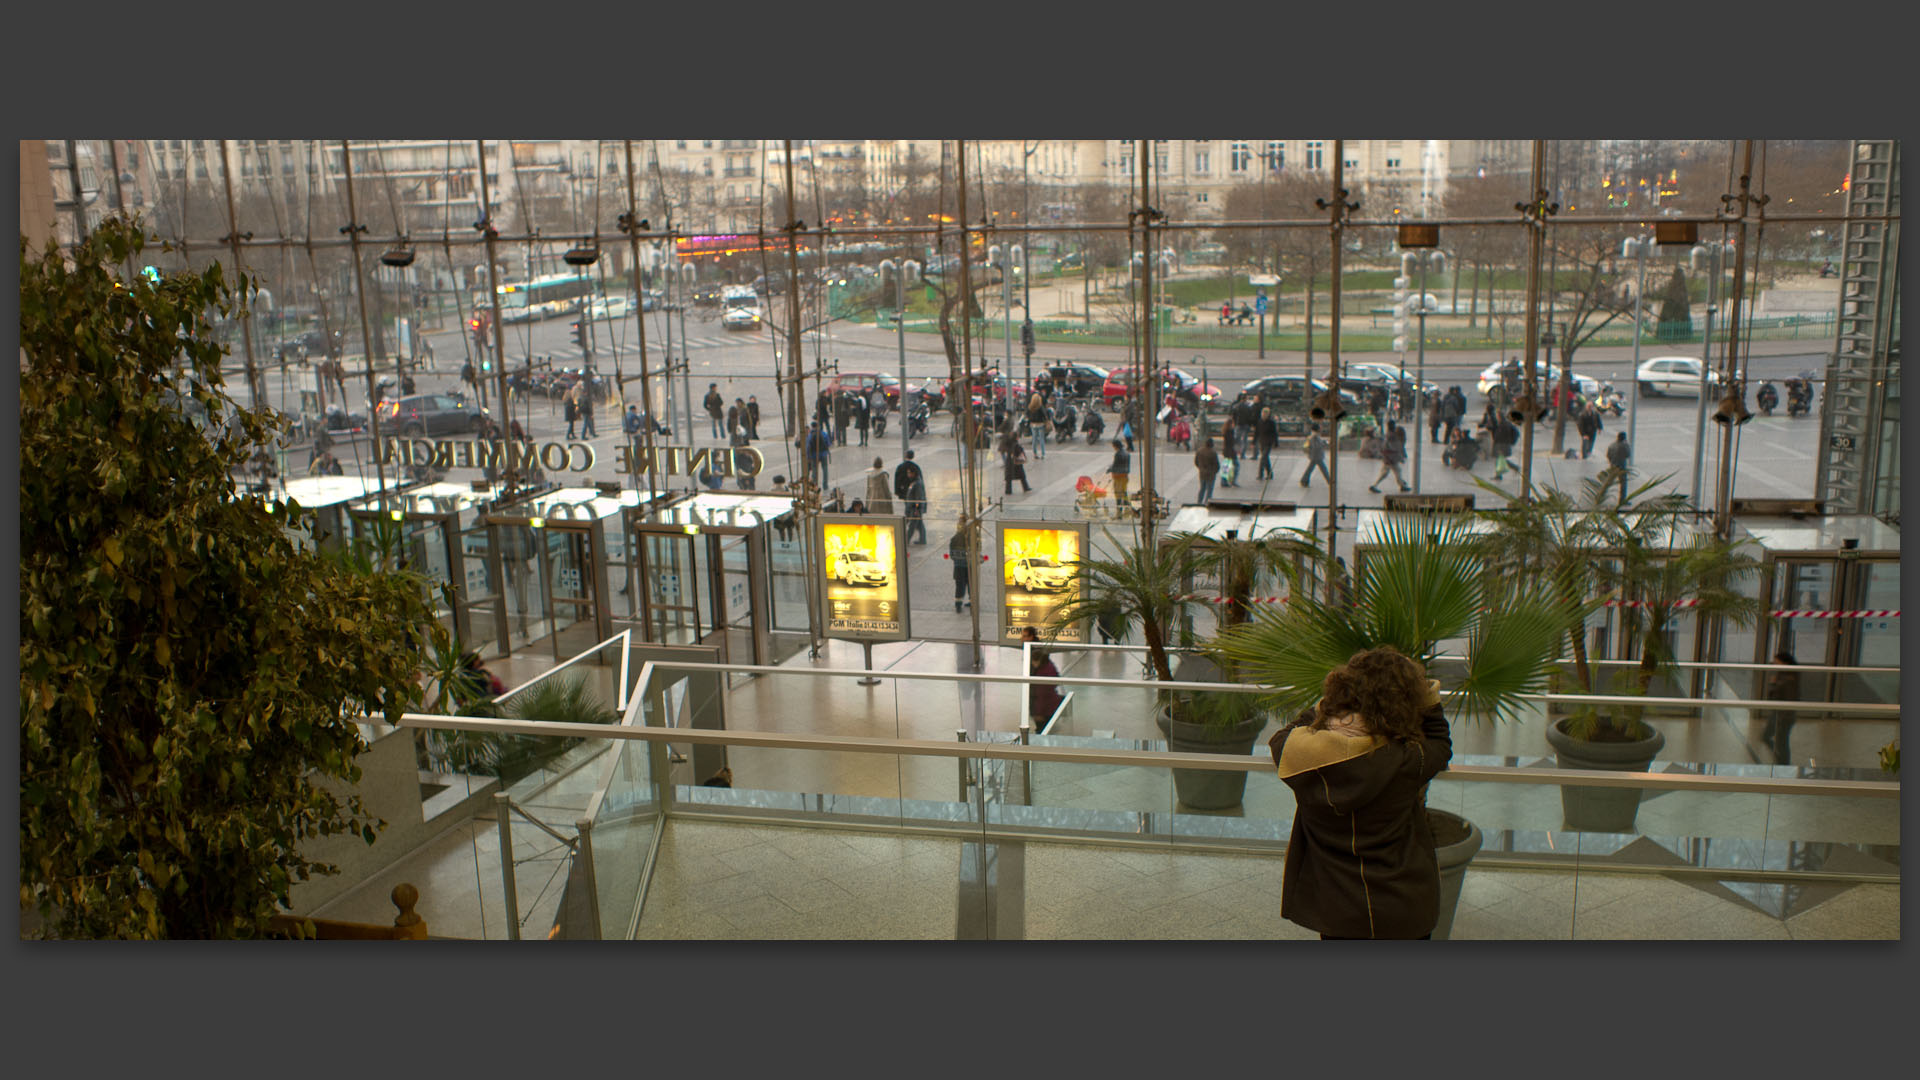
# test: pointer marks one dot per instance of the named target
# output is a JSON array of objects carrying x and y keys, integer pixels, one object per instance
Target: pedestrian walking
[
  {"x": 1503, "y": 435},
  {"x": 633, "y": 425},
  {"x": 823, "y": 410},
  {"x": 1393, "y": 450},
  {"x": 1452, "y": 410},
  {"x": 716, "y": 408},
  {"x": 1043, "y": 699},
  {"x": 1230, "y": 455},
  {"x": 570, "y": 409},
  {"x": 1120, "y": 472},
  {"x": 753, "y": 418},
  {"x": 1781, "y": 686},
  {"x": 1377, "y": 404},
  {"x": 1037, "y": 423},
  {"x": 877, "y": 412},
  {"x": 1436, "y": 415},
  {"x": 962, "y": 563},
  {"x": 1206, "y": 464},
  {"x": 733, "y": 419},
  {"x": 1013, "y": 463},
  {"x": 1360, "y": 862},
  {"x": 842, "y": 418},
  {"x": 1589, "y": 425},
  {"x": 816, "y": 451},
  {"x": 1316, "y": 459},
  {"x": 879, "y": 489},
  {"x": 1618, "y": 454},
  {"x": 1267, "y": 434},
  {"x": 586, "y": 409},
  {"x": 861, "y": 415}
]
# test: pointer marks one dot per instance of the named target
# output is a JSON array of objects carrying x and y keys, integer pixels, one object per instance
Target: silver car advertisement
[
  {"x": 1037, "y": 563},
  {"x": 863, "y": 577}
]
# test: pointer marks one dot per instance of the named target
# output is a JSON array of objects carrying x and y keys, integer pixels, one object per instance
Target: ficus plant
[{"x": 191, "y": 677}]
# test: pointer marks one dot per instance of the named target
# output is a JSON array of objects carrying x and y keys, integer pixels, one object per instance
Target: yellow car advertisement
[
  {"x": 863, "y": 581},
  {"x": 1037, "y": 578}
]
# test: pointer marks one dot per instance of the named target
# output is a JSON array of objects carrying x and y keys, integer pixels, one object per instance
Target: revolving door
[
  {"x": 443, "y": 536},
  {"x": 1829, "y": 590},
  {"x": 698, "y": 573}
]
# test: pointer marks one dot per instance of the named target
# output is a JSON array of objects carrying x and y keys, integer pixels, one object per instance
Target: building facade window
[
  {"x": 1316, "y": 159},
  {"x": 1202, "y": 161},
  {"x": 1276, "y": 156},
  {"x": 1200, "y": 197},
  {"x": 1393, "y": 163},
  {"x": 1240, "y": 157}
]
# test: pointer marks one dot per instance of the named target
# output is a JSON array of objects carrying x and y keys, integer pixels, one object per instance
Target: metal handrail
[
  {"x": 1141, "y": 758},
  {"x": 625, "y": 636},
  {"x": 1682, "y": 664},
  {"x": 1252, "y": 688}
]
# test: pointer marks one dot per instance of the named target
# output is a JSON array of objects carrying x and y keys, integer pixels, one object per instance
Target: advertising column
[
  {"x": 863, "y": 577},
  {"x": 1037, "y": 563}
]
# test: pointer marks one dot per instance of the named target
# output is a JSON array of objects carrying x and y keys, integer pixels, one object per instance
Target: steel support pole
[
  {"x": 233, "y": 239},
  {"x": 1337, "y": 211},
  {"x": 970, "y": 454},
  {"x": 1706, "y": 365},
  {"x": 1420, "y": 366},
  {"x": 1723, "y": 493},
  {"x": 900, "y": 325},
  {"x": 366, "y": 337},
  {"x": 640, "y": 323},
  {"x": 797, "y": 404},
  {"x": 1536, "y": 235},
  {"x": 492, "y": 235},
  {"x": 1150, "y": 368},
  {"x": 509, "y": 888},
  {"x": 1639, "y": 320}
]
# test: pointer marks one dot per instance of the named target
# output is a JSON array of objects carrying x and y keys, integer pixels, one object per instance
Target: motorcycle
[
  {"x": 1800, "y": 395},
  {"x": 1768, "y": 398},
  {"x": 917, "y": 418},
  {"x": 1065, "y": 422},
  {"x": 1611, "y": 400},
  {"x": 1093, "y": 425}
]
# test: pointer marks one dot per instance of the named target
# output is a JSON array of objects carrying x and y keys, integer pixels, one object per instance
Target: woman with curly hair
[{"x": 1360, "y": 863}]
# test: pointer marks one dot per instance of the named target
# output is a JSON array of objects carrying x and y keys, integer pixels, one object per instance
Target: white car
[
  {"x": 1672, "y": 375},
  {"x": 861, "y": 568},
  {"x": 1584, "y": 385},
  {"x": 612, "y": 307},
  {"x": 1388, "y": 373},
  {"x": 741, "y": 319},
  {"x": 1041, "y": 574}
]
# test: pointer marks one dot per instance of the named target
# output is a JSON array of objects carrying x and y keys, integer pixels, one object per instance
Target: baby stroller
[
  {"x": 1089, "y": 497},
  {"x": 1181, "y": 433}
]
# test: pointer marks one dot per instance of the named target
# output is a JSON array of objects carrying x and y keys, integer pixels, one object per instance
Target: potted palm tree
[
  {"x": 1634, "y": 548},
  {"x": 1422, "y": 584},
  {"x": 1147, "y": 586}
]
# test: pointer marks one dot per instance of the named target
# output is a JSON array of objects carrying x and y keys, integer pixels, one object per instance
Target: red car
[
  {"x": 864, "y": 382},
  {"x": 1192, "y": 393}
]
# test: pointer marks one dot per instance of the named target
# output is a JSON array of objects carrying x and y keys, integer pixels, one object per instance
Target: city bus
[{"x": 540, "y": 298}]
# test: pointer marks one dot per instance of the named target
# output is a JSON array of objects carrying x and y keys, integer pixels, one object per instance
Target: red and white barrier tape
[
  {"x": 1834, "y": 614},
  {"x": 1222, "y": 599}
]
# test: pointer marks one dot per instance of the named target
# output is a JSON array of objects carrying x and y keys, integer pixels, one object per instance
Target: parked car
[
  {"x": 1192, "y": 394},
  {"x": 1292, "y": 395},
  {"x": 1041, "y": 574},
  {"x": 1391, "y": 374},
  {"x": 1585, "y": 385},
  {"x": 431, "y": 414},
  {"x": 864, "y": 382},
  {"x": 861, "y": 568},
  {"x": 611, "y": 307},
  {"x": 1076, "y": 380},
  {"x": 1680, "y": 375}
]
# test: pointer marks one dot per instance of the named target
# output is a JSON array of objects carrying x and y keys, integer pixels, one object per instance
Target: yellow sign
[
  {"x": 1037, "y": 579},
  {"x": 863, "y": 578}
]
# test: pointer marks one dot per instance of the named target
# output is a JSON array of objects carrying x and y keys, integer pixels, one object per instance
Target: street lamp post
[
  {"x": 1425, "y": 259},
  {"x": 906, "y": 269}
]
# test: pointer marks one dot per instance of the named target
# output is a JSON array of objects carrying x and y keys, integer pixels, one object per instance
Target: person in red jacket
[{"x": 1360, "y": 862}]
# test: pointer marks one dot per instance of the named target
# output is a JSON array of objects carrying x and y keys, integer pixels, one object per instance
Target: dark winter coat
[{"x": 1360, "y": 861}]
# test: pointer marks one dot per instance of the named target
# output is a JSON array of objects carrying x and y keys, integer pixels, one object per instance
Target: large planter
[
  {"x": 1210, "y": 789},
  {"x": 1455, "y": 842},
  {"x": 1601, "y": 809}
]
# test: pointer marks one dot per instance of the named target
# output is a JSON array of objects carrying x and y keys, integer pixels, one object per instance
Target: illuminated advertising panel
[
  {"x": 1037, "y": 578},
  {"x": 863, "y": 577}
]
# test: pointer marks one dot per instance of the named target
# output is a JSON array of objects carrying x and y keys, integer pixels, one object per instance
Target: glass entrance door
[
  {"x": 572, "y": 586},
  {"x": 1804, "y": 585},
  {"x": 670, "y": 570},
  {"x": 1868, "y": 585}
]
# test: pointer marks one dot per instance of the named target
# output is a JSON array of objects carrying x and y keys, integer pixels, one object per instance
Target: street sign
[
  {"x": 1260, "y": 303},
  {"x": 1840, "y": 442}
]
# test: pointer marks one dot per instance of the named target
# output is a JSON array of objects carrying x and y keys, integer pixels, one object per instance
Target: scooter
[
  {"x": 1768, "y": 398},
  {"x": 1066, "y": 420},
  {"x": 1610, "y": 400},
  {"x": 917, "y": 419}
]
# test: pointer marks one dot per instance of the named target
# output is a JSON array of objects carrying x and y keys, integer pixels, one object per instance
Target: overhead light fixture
[
  {"x": 1327, "y": 406},
  {"x": 1419, "y": 236},
  {"x": 1676, "y": 232},
  {"x": 584, "y": 255},
  {"x": 1732, "y": 411},
  {"x": 398, "y": 255}
]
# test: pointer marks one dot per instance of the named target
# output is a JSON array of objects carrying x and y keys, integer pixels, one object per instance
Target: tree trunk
[
  {"x": 1473, "y": 300},
  {"x": 1566, "y": 402},
  {"x": 1156, "y": 649},
  {"x": 1309, "y": 327}
]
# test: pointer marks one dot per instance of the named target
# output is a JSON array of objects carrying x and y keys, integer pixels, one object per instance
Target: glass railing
[{"x": 912, "y": 807}]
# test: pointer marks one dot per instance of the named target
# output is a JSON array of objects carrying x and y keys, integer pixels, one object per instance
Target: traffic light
[
  {"x": 580, "y": 334},
  {"x": 1026, "y": 336}
]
